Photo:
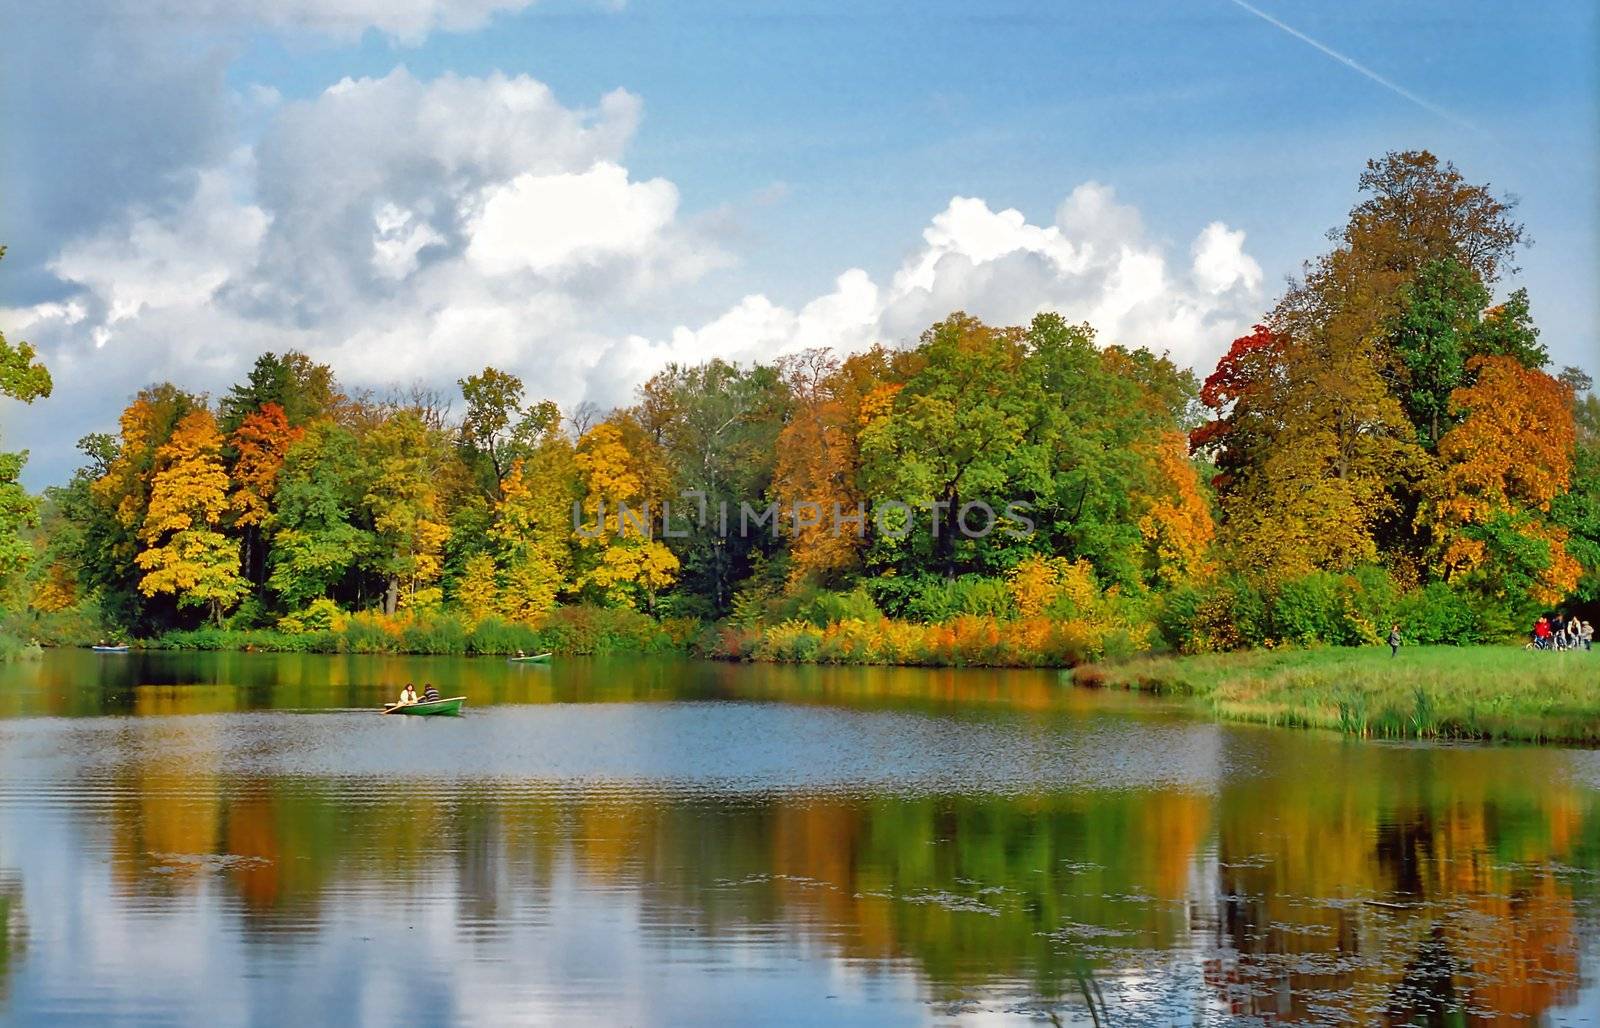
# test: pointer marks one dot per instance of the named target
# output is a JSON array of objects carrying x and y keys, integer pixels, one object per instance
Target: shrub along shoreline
[
  {"x": 579, "y": 631},
  {"x": 1427, "y": 692}
]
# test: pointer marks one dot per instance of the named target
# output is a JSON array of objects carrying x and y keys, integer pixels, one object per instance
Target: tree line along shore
[{"x": 1390, "y": 444}]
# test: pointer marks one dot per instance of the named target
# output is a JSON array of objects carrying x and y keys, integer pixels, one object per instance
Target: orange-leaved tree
[
  {"x": 817, "y": 454},
  {"x": 185, "y": 553},
  {"x": 1501, "y": 468},
  {"x": 1176, "y": 523},
  {"x": 262, "y": 441}
]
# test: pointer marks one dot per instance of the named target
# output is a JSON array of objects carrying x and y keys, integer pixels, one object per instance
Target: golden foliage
[
  {"x": 1177, "y": 526},
  {"x": 184, "y": 552},
  {"x": 619, "y": 466}
]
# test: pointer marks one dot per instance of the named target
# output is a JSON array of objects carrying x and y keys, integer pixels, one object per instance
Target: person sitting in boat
[
  {"x": 430, "y": 694},
  {"x": 408, "y": 695}
]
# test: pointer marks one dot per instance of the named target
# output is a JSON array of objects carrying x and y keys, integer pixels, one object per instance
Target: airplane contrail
[{"x": 1356, "y": 66}]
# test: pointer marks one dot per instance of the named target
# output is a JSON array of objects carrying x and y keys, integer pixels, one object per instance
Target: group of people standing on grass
[{"x": 1559, "y": 632}]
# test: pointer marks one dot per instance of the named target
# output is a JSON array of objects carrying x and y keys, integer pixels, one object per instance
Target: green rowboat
[
  {"x": 446, "y": 707},
  {"x": 537, "y": 658}
]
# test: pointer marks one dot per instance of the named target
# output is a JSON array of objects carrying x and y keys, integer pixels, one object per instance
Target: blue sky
[{"x": 186, "y": 187}]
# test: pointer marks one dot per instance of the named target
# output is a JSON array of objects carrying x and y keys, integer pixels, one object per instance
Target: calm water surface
[{"x": 238, "y": 839}]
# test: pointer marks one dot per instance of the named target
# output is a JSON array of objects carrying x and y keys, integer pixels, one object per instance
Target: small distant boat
[
  {"x": 537, "y": 658},
  {"x": 110, "y": 649},
  {"x": 446, "y": 707}
]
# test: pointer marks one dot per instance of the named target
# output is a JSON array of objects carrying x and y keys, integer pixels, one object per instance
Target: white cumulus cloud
[
  {"x": 543, "y": 223},
  {"x": 1220, "y": 263}
]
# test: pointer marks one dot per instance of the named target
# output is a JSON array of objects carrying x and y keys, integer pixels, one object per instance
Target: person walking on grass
[{"x": 1394, "y": 640}]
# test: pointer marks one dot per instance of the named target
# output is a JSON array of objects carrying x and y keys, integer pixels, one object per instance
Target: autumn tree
[
  {"x": 260, "y": 443},
  {"x": 1415, "y": 210},
  {"x": 121, "y": 469},
  {"x": 1317, "y": 434},
  {"x": 490, "y": 429},
  {"x": 1502, "y": 469},
  {"x": 817, "y": 458},
  {"x": 623, "y": 479},
  {"x": 185, "y": 553},
  {"x": 403, "y": 499},
  {"x": 1176, "y": 520},
  {"x": 478, "y": 589},
  {"x": 532, "y": 533}
]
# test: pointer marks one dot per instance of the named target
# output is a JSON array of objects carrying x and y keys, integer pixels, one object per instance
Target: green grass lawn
[{"x": 1468, "y": 692}]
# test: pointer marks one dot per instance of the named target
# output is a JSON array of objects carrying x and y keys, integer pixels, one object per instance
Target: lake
[{"x": 226, "y": 839}]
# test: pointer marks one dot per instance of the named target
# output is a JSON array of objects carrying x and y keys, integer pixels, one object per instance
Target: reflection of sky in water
[
  {"x": 735, "y": 862},
  {"x": 720, "y": 746}
]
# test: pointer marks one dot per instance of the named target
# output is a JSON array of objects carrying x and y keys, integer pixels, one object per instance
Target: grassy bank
[{"x": 1446, "y": 692}]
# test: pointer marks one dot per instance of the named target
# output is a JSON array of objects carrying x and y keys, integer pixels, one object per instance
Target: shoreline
[
  {"x": 1486, "y": 692},
  {"x": 1490, "y": 693}
]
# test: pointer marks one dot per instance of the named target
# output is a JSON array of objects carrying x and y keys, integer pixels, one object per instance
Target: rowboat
[
  {"x": 110, "y": 649},
  {"x": 537, "y": 658},
  {"x": 447, "y": 707}
]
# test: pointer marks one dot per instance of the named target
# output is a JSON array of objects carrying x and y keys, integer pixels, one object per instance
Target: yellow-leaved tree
[
  {"x": 533, "y": 530},
  {"x": 478, "y": 589},
  {"x": 403, "y": 497},
  {"x": 184, "y": 552},
  {"x": 623, "y": 477}
]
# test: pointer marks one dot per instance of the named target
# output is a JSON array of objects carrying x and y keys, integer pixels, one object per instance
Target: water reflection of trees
[
  {"x": 1429, "y": 883},
  {"x": 1413, "y": 893},
  {"x": 79, "y": 683}
]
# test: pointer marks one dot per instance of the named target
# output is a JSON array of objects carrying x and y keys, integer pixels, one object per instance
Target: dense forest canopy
[{"x": 1388, "y": 440}]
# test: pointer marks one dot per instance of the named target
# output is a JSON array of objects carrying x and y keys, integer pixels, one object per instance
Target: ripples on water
[{"x": 775, "y": 846}]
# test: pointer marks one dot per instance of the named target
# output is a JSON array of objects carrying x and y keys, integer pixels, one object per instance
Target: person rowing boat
[
  {"x": 430, "y": 694},
  {"x": 408, "y": 695}
]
